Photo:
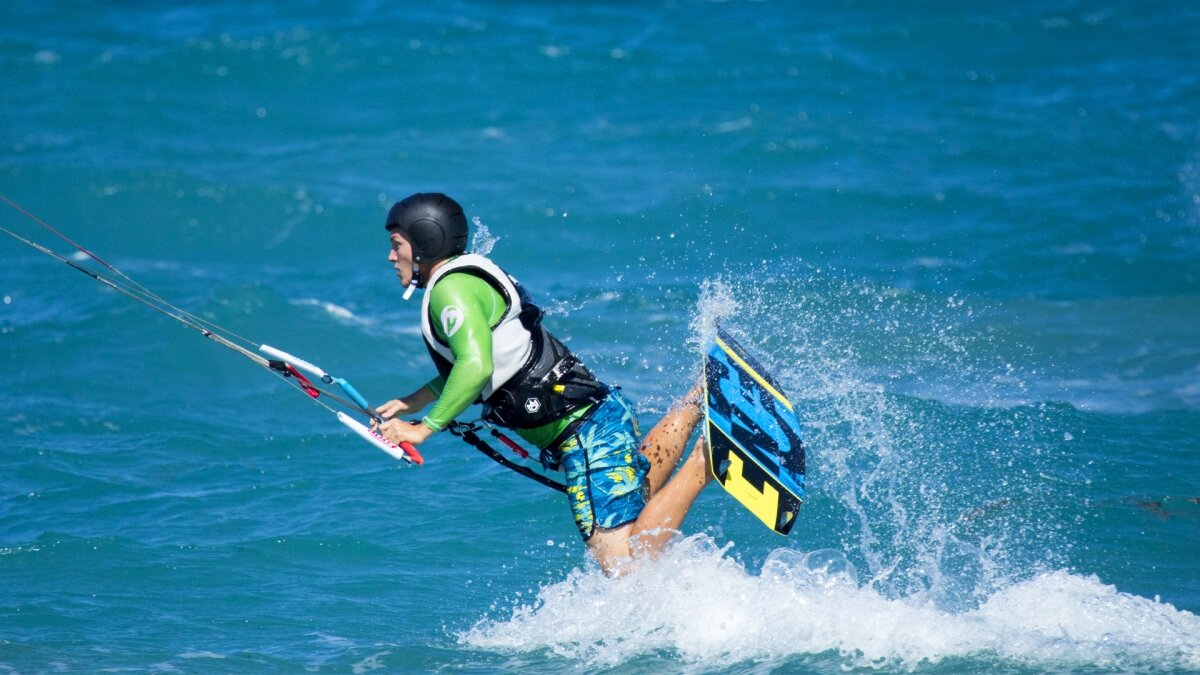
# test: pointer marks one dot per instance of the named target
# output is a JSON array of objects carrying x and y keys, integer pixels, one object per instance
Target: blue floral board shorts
[{"x": 605, "y": 470}]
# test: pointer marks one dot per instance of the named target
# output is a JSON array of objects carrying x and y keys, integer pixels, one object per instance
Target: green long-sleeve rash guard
[{"x": 465, "y": 309}]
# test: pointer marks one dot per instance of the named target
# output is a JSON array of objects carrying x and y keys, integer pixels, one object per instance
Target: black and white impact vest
[{"x": 535, "y": 379}]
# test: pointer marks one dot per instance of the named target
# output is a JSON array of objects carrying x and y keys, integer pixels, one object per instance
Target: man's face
[{"x": 401, "y": 258}]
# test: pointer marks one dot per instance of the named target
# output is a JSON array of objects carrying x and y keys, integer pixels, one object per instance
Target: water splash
[
  {"x": 483, "y": 241},
  {"x": 700, "y": 605},
  {"x": 930, "y": 530},
  {"x": 716, "y": 303},
  {"x": 920, "y": 469}
]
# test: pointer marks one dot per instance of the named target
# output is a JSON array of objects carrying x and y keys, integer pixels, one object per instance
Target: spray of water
[
  {"x": 717, "y": 303},
  {"x": 927, "y": 532},
  {"x": 483, "y": 241},
  {"x": 700, "y": 605}
]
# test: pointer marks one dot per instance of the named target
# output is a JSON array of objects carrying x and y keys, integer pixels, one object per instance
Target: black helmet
[{"x": 433, "y": 223}]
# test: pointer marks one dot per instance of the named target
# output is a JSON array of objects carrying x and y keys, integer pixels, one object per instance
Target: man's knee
[{"x": 610, "y": 547}]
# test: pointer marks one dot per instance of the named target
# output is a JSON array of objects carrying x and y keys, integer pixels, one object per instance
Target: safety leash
[{"x": 468, "y": 432}]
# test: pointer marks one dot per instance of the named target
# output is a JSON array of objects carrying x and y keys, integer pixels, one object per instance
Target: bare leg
[
  {"x": 659, "y": 521},
  {"x": 664, "y": 445},
  {"x": 669, "y": 501},
  {"x": 665, "y": 511},
  {"x": 611, "y": 548}
]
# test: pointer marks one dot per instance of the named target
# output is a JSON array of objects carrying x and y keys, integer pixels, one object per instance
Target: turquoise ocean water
[{"x": 965, "y": 237}]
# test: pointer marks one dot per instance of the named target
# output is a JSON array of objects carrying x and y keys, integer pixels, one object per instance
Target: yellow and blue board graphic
[{"x": 753, "y": 433}]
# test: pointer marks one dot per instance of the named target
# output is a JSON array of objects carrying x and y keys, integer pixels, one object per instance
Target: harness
[{"x": 536, "y": 379}]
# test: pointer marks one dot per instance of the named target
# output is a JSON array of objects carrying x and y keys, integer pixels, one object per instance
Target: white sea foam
[
  {"x": 200, "y": 654},
  {"x": 701, "y": 605},
  {"x": 372, "y": 662},
  {"x": 954, "y": 564},
  {"x": 342, "y": 314}
]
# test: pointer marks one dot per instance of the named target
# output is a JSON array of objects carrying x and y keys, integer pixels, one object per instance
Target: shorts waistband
[{"x": 577, "y": 422}]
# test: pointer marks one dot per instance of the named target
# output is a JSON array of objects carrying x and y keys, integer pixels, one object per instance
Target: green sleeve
[
  {"x": 464, "y": 309},
  {"x": 436, "y": 385}
]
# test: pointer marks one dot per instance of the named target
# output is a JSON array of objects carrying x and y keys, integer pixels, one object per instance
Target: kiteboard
[{"x": 753, "y": 434}]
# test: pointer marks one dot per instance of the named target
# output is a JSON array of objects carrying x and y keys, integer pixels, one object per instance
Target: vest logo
[
  {"x": 532, "y": 405},
  {"x": 452, "y": 320}
]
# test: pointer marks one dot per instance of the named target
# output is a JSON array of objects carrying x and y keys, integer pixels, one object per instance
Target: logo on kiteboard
[{"x": 532, "y": 405}]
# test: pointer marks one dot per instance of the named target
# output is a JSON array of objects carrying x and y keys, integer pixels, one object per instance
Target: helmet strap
[{"x": 416, "y": 280}]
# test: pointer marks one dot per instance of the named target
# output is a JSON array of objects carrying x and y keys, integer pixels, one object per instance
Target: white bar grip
[
  {"x": 380, "y": 442},
  {"x": 298, "y": 362}
]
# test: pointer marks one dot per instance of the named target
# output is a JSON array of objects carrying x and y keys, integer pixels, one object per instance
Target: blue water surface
[{"x": 965, "y": 238}]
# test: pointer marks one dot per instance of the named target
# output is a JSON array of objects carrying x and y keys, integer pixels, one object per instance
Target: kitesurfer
[{"x": 489, "y": 345}]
